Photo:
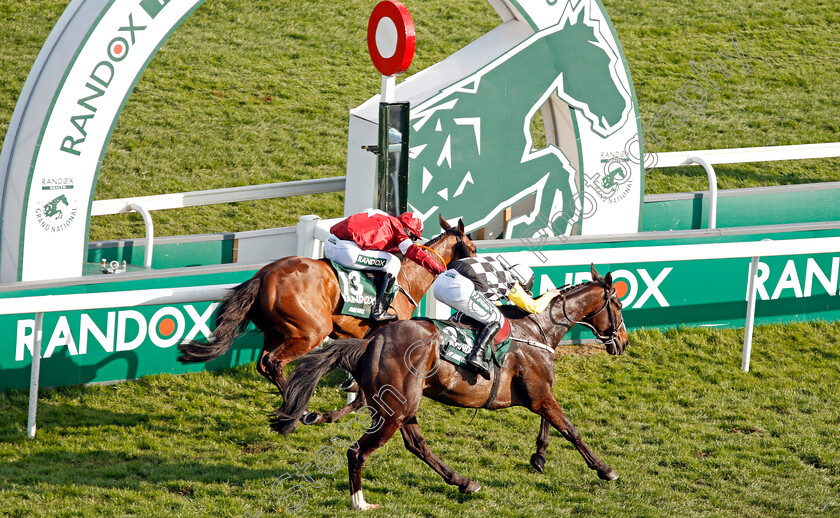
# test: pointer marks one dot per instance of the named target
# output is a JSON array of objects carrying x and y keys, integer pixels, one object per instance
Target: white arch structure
[{"x": 62, "y": 124}]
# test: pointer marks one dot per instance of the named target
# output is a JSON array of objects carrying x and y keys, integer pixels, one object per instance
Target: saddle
[
  {"x": 358, "y": 290},
  {"x": 457, "y": 338},
  {"x": 464, "y": 321}
]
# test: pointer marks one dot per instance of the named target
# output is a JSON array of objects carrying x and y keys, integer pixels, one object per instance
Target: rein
[
  {"x": 434, "y": 252},
  {"x": 613, "y": 336}
]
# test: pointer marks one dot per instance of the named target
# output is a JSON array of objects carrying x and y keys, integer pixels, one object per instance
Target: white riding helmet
[{"x": 524, "y": 274}]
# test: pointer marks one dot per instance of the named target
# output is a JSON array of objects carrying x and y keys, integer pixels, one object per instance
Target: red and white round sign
[{"x": 390, "y": 37}]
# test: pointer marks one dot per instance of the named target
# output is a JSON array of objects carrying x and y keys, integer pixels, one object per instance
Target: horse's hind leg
[
  {"x": 333, "y": 415},
  {"x": 551, "y": 411},
  {"x": 349, "y": 385},
  {"x": 416, "y": 444},
  {"x": 356, "y": 456},
  {"x": 266, "y": 365},
  {"x": 279, "y": 350},
  {"x": 538, "y": 458}
]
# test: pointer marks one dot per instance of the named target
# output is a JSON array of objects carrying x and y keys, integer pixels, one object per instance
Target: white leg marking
[{"x": 357, "y": 499}]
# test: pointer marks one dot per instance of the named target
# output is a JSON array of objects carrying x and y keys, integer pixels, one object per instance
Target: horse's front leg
[
  {"x": 549, "y": 409},
  {"x": 538, "y": 458}
]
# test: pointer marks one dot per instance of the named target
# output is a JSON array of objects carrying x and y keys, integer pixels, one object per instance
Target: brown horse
[
  {"x": 295, "y": 301},
  {"x": 398, "y": 364}
]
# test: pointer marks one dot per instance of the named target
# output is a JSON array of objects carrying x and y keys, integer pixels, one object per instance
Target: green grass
[
  {"x": 790, "y": 95},
  {"x": 689, "y": 433},
  {"x": 257, "y": 92}
]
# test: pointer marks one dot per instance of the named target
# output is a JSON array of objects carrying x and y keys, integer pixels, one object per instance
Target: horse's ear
[
  {"x": 461, "y": 225},
  {"x": 608, "y": 280},
  {"x": 443, "y": 224},
  {"x": 595, "y": 274}
]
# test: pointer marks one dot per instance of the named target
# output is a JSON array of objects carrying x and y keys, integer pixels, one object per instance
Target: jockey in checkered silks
[
  {"x": 367, "y": 240},
  {"x": 476, "y": 285}
]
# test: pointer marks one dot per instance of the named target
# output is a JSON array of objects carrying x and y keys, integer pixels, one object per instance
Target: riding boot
[
  {"x": 476, "y": 357},
  {"x": 380, "y": 308}
]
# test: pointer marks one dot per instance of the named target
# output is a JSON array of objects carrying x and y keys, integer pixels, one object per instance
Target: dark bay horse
[
  {"x": 398, "y": 364},
  {"x": 294, "y": 301}
]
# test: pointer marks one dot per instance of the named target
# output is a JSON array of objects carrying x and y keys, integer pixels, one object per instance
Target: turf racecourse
[
  {"x": 254, "y": 92},
  {"x": 689, "y": 433}
]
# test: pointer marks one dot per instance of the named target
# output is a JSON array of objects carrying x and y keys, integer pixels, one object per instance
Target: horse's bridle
[{"x": 612, "y": 338}]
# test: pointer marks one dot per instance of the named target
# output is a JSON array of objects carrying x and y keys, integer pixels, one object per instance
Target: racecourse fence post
[
  {"x": 307, "y": 244},
  {"x": 35, "y": 375},
  {"x": 748, "y": 327},
  {"x": 710, "y": 172},
  {"x": 150, "y": 233}
]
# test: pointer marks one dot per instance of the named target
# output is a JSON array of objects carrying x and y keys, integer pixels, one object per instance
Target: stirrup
[
  {"x": 349, "y": 385},
  {"x": 478, "y": 365},
  {"x": 380, "y": 307},
  {"x": 382, "y": 315},
  {"x": 480, "y": 368}
]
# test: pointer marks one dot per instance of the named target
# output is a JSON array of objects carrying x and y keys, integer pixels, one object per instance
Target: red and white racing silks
[{"x": 376, "y": 230}]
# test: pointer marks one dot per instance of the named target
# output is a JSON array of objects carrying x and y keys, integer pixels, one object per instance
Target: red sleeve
[
  {"x": 419, "y": 256},
  {"x": 398, "y": 232}
]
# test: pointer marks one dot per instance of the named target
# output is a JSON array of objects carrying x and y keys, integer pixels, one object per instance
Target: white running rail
[
  {"x": 145, "y": 204},
  {"x": 707, "y": 158}
]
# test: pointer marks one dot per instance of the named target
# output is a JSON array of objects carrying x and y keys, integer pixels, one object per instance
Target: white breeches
[
  {"x": 458, "y": 292},
  {"x": 348, "y": 254}
]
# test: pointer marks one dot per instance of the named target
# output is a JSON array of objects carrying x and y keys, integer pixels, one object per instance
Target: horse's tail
[
  {"x": 231, "y": 320},
  {"x": 313, "y": 366}
]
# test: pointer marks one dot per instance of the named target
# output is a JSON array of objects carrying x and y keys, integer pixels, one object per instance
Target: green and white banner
[
  {"x": 666, "y": 289},
  {"x": 96, "y": 345}
]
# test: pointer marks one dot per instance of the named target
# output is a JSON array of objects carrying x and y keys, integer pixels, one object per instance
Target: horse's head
[
  {"x": 594, "y": 89},
  {"x": 603, "y": 315},
  {"x": 453, "y": 243}
]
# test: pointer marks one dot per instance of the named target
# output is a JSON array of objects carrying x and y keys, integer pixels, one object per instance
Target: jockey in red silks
[{"x": 367, "y": 240}]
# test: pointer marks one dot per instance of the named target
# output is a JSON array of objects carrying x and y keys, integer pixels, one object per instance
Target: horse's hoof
[
  {"x": 470, "y": 488},
  {"x": 364, "y": 506},
  {"x": 609, "y": 475},
  {"x": 310, "y": 418},
  {"x": 538, "y": 462},
  {"x": 349, "y": 386},
  {"x": 357, "y": 500}
]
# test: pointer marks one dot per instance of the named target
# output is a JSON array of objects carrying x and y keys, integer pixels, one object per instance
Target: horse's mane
[
  {"x": 451, "y": 231},
  {"x": 574, "y": 288}
]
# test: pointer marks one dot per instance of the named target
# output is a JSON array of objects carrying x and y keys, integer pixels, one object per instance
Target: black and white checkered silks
[
  {"x": 460, "y": 293},
  {"x": 472, "y": 284},
  {"x": 488, "y": 274}
]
